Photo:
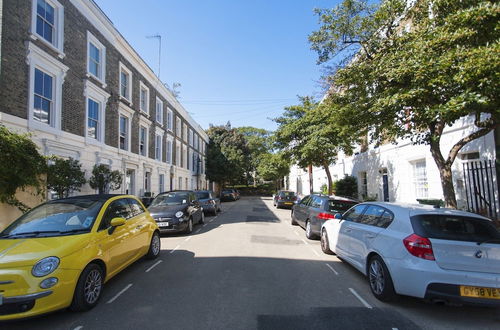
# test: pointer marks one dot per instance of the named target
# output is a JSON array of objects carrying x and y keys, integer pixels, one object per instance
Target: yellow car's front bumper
[{"x": 21, "y": 295}]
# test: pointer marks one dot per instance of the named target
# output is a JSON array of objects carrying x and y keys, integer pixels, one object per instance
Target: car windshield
[
  {"x": 203, "y": 195},
  {"x": 227, "y": 191},
  {"x": 173, "y": 198},
  {"x": 456, "y": 228},
  {"x": 65, "y": 217},
  {"x": 339, "y": 206}
]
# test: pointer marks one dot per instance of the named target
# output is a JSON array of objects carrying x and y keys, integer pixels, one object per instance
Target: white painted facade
[{"x": 403, "y": 163}]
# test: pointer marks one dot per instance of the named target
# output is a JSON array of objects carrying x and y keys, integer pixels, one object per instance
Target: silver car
[{"x": 421, "y": 251}]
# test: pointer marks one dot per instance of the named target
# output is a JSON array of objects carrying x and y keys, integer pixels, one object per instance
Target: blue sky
[{"x": 238, "y": 61}]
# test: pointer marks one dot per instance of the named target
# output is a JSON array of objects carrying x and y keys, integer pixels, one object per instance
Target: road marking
[
  {"x": 119, "y": 293},
  {"x": 333, "y": 270},
  {"x": 303, "y": 240},
  {"x": 367, "y": 305},
  {"x": 296, "y": 233},
  {"x": 395, "y": 329},
  {"x": 198, "y": 230},
  {"x": 205, "y": 225},
  {"x": 187, "y": 239},
  {"x": 153, "y": 266},
  {"x": 316, "y": 253},
  {"x": 78, "y": 327},
  {"x": 178, "y": 246}
]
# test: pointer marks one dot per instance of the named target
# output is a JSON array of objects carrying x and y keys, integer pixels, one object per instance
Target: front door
[
  {"x": 130, "y": 182},
  {"x": 385, "y": 187}
]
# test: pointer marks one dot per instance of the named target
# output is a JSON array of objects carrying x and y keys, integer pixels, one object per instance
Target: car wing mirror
[
  {"x": 338, "y": 216},
  {"x": 115, "y": 222}
]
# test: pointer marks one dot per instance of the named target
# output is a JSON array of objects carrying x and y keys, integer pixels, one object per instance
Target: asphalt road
[{"x": 248, "y": 268}]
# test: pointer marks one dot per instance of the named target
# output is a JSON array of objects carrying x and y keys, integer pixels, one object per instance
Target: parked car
[
  {"x": 229, "y": 195},
  {"x": 314, "y": 210},
  {"x": 284, "y": 198},
  {"x": 61, "y": 253},
  {"x": 176, "y": 211},
  {"x": 433, "y": 253},
  {"x": 209, "y": 202}
]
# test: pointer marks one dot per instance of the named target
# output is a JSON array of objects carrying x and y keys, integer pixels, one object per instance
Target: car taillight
[
  {"x": 420, "y": 247},
  {"x": 279, "y": 197},
  {"x": 294, "y": 198},
  {"x": 326, "y": 216}
]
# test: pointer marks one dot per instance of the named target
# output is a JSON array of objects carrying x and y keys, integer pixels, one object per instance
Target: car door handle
[
  {"x": 369, "y": 236},
  {"x": 139, "y": 227}
]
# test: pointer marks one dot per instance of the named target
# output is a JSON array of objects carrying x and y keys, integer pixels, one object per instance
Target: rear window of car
[
  {"x": 287, "y": 194},
  {"x": 456, "y": 228},
  {"x": 335, "y": 206},
  {"x": 203, "y": 195},
  {"x": 227, "y": 191}
]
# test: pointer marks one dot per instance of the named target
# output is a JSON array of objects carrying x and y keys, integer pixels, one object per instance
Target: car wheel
[
  {"x": 325, "y": 246},
  {"x": 202, "y": 219},
  {"x": 154, "y": 247},
  {"x": 294, "y": 223},
  {"x": 380, "y": 280},
  {"x": 309, "y": 233},
  {"x": 219, "y": 209},
  {"x": 88, "y": 289},
  {"x": 189, "y": 228}
]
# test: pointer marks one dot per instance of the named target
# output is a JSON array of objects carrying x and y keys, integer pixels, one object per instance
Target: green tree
[
  {"x": 347, "y": 187},
  {"x": 273, "y": 167},
  {"x": 258, "y": 143},
  {"x": 229, "y": 153},
  {"x": 104, "y": 180},
  {"x": 439, "y": 64},
  {"x": 65, "y": 176},
  {"x": 305, "y": 135},
  {"x": 21, "y": 166}
]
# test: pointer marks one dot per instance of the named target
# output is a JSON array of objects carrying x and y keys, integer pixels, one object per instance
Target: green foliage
[
  {"x": 258, "y": 142},
  {"x": 21, "y": 166},
  {"x": 324, "y": 189},
  {"x": 347, "y": 187},
  {"x": 104, "y": 180},
  {"x": 273, "y": 167},
  {"x": 227, "y": 155},
  {"x": 65, "y": 176},
  {"x": 413, "y": 83}
]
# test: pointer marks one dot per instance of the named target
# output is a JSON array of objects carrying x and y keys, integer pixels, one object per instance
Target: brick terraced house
[{"x": 70, "y": 79}]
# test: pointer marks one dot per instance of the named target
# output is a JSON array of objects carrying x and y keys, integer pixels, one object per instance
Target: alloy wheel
[
  {"x": 155, "y": 244},
  {"x": 93, "y": 286},
  {"x": 377, "y": 277}
]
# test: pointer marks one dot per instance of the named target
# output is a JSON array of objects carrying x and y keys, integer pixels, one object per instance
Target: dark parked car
[
  {"x": 229, "y": 195},
  {"x": 284, "y": 198},
  {"x": 209, "y": 202},
  {"x": 176, "y": 211},
  {"x": 314, "y": 210}
]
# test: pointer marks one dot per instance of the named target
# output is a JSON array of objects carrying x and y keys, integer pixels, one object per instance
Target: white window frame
[
  {"x": 143, "y": 87},
  {"x": 191, "y": 137},
  {"x": 420, "y": 183},
  {"x": 161, "y": 182},
  {"x": 170, "y": 120},
  {"x": 129, "y": 113},
  {"x": 145, "y": 123},
  {"x": 178, "y": 127},
  {"x": 170, "y": 149},
  {"x": 58, "y": 44},
  {"x": 159, "y": 102},
  {"x": 38, "y": 59},
  {"x": 178, "y": 153},
  {"x": 101, "y": 97},
  {"x": 159, "y": 149},
  {"x": 184, "y": 133},
  {"x": 91, "y": 39},
  {"x": 123, "y": 68}
]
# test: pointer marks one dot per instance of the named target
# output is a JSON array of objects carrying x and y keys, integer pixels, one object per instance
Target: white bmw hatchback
[{"x": 421, "y": 251}]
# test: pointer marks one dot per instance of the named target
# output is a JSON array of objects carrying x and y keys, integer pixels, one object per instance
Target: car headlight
[
  {"x": 179, "y": 214},
  {"x": 45, "y": 266}
]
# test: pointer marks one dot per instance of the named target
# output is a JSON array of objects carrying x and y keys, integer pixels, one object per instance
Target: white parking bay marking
[
  {"x": 296, "y": 233},
  {"x": 367, "y": 305},
  {"x": 198, "y": 231},
  {"x": 316, "y": 253},
  {"x": 303, "y": 240},
  {"x": 78, "y": 327},
  {"x": 205, "y": 225},
  {"x": 187, "y": 239},
  {"x": 153, "y": 266},
  {"x": 333, "y": 270},
  {"x": 175, "y": 248},
  {"x": 119, "y": 293}
]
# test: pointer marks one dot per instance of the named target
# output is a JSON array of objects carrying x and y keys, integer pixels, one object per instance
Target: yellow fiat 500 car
[{"x": 61, "y": 253}]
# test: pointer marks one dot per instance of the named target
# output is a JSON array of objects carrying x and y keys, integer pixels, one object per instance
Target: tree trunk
[
  {"x": 329, "y": 177},
  {"x": 447, "y": 185},
  {"x": 311, "y": 187}
]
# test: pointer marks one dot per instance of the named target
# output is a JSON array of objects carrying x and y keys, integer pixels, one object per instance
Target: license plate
[
  {"x": 162, "y": 224},
  {"x": 479, "y": 292},
  {"x": 288, "y": 203}
]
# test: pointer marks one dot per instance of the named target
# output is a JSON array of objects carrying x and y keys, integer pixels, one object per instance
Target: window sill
[
  {"x": 59, "y": 52},
  {"x": 34, "y": 125},
  {"x": 90, "y": 75},
  {"x": 124, "y": 99},
  {"x": 92, "y": 141}
]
